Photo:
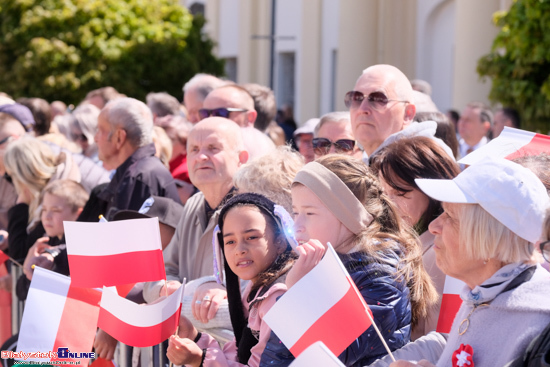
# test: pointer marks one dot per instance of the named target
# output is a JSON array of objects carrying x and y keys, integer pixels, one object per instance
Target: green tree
[
  {"x": 61, "y": 49},
  {"x": 519, "y": 62}
]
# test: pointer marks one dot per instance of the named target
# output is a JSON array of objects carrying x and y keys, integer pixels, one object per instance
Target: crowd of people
[{"x": 243, "y": 216}]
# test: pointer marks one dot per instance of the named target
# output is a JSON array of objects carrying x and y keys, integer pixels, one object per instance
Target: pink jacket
[{"x": 227, "y": 356}]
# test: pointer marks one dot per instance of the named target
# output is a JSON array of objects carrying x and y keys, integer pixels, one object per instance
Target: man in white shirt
[{"x": 473, "y": 126}]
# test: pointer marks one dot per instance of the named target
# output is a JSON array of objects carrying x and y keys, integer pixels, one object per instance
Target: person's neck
[
  {"x": 123, "y": 154},
  {"x": 474, "y": 279},
  {"x": 472, "y": 142},
  {"x": 214, "y": 194}
]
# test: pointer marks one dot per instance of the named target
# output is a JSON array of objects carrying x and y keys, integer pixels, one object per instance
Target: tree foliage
[
  {"x": 519, "y": 62},
  {"x": 61, "y": 49}
]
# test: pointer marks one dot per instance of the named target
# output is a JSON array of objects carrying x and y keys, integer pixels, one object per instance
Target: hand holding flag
[
  {"x": 139, "y": 325},
  {"x": 324, "y": 305}
]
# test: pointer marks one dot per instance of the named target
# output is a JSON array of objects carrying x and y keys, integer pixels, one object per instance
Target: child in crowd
[
  {"x": 255, "y": 247},
  {"x": 336, "y": 199},
  {"x": 61, "y": 200}
]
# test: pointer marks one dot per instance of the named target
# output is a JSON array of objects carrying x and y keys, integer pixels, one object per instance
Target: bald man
[
  {"x": 381, "y": 104},
  {"x": 215, "y": 151},
  {"x": 232, "y": 102}
]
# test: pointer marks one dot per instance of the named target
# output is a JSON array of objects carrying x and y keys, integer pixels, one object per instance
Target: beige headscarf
[{"x": 335, "y": 195}]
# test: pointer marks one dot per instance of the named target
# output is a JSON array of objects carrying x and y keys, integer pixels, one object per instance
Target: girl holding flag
[
  {"x": 255, "y": 246},
  {"x": 337, "y": 200}
]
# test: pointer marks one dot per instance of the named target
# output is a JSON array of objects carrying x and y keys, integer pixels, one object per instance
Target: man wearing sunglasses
[
  {"x": 333, "y": 134},
  {"x": 232, "y": 102},
  {"x": 380, "y": 104}
]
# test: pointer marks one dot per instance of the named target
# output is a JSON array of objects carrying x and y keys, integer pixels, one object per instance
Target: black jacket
[{"x": 135, "y": 180}]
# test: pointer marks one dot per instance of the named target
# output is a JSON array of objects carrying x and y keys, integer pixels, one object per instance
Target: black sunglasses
[
  {"x": 377, "y": 100},
  {"x": 545, "y": 250},
  {"x": 219, "y": 112},
  {"x": 321, "y": 146}
]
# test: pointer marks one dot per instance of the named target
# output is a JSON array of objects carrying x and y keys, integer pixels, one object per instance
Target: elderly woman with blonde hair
[
  {"x": 31, "y": 165},
  {"x": 493, "y": 215}
]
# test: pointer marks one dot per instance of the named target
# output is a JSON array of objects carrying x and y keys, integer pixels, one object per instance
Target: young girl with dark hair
[{"x": 255, "y": 246}]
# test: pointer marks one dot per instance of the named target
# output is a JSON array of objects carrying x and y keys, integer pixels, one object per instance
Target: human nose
[
  {"x": 298, "y": 224},
  {"x": 240, "y": 248},
  {"x": 435, "y": 225}
]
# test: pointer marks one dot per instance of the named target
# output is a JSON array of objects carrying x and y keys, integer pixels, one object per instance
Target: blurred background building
[{"x": 311, "y": 52}]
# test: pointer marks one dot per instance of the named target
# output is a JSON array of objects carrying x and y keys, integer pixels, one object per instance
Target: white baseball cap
[{"x": 511, "y": 193}]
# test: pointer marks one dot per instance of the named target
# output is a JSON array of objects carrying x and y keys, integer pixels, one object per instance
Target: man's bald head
[
  {"x": 373, "y": 122},
  {"x": 215, "y": 150},
  {"x": 233, "y": 96}
]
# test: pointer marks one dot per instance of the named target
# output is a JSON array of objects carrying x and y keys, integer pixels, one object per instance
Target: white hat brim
[{"x": 444, "y": 190}]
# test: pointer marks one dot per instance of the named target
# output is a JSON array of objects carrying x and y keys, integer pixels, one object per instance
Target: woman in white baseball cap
[{"x": 493, "y": 217}]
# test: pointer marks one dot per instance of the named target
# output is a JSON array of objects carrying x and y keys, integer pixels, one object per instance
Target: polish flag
[
  {"x": 450, "y": 303},
  {"x": 3, "y": 257},
  {"x": 58, "y": 315},
  {"x": 317, "y": 355},
  {"x": 139, "y": 325},
  {"x": 510, "y": 144},
  {"x": 114, "y": 253},
  {"x": 324, "y": 305}
]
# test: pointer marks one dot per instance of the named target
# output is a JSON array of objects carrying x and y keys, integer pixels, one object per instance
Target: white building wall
[
  {"x": 329, "y": 55},
  {"x": 287, "y": 37},
  {"x": 229, "y": 29},
  {"x": 435, "y": 45}
]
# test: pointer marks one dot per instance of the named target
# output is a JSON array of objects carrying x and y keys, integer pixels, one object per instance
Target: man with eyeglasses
[
  {"x": 196, "y": 90},
  {"x": 380, "y": 104},
  {"x": 232, "y": 102}
]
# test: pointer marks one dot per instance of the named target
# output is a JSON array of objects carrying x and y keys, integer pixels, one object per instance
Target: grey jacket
[{"x": 189, "y": 254}]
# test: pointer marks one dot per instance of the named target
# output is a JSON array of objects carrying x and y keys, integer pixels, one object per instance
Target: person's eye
[
  {"x": 310, "y": 213},
  {"x": 228, "y": 243}
]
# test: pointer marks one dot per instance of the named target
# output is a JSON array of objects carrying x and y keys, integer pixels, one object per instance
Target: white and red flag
[
  {"x": 324, "y": 305},
  {"x": 317, "y": 354},
  {"x": 450, "y": 303},
  {"x": 510, "y": 144},
  {"x": 139, "y": 325},
  {"x": 114, "y": 253},
  {"x": 58, "y": 315}
]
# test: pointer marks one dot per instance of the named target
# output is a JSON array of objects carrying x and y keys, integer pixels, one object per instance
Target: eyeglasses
[
  {"x": 545, "y": 250},
  {"x": 377, "y": 100},
  {"x": 321, "y": 146},
  {"x": 218, "y": 112}
]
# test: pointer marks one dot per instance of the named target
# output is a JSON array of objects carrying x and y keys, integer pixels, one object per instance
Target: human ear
[
  {"x": 410, "y": 111},
  {"x": 243, "y": 156}
]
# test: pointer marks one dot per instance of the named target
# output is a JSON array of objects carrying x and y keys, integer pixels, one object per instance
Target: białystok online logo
[{"x": 62, "y": 353}]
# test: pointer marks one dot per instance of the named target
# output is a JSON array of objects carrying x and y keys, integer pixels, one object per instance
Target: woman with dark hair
[{"x": 397, "y": 166}]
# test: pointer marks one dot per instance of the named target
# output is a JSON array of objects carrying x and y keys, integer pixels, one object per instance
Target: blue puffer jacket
[{"x": 389, "y": 301}]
